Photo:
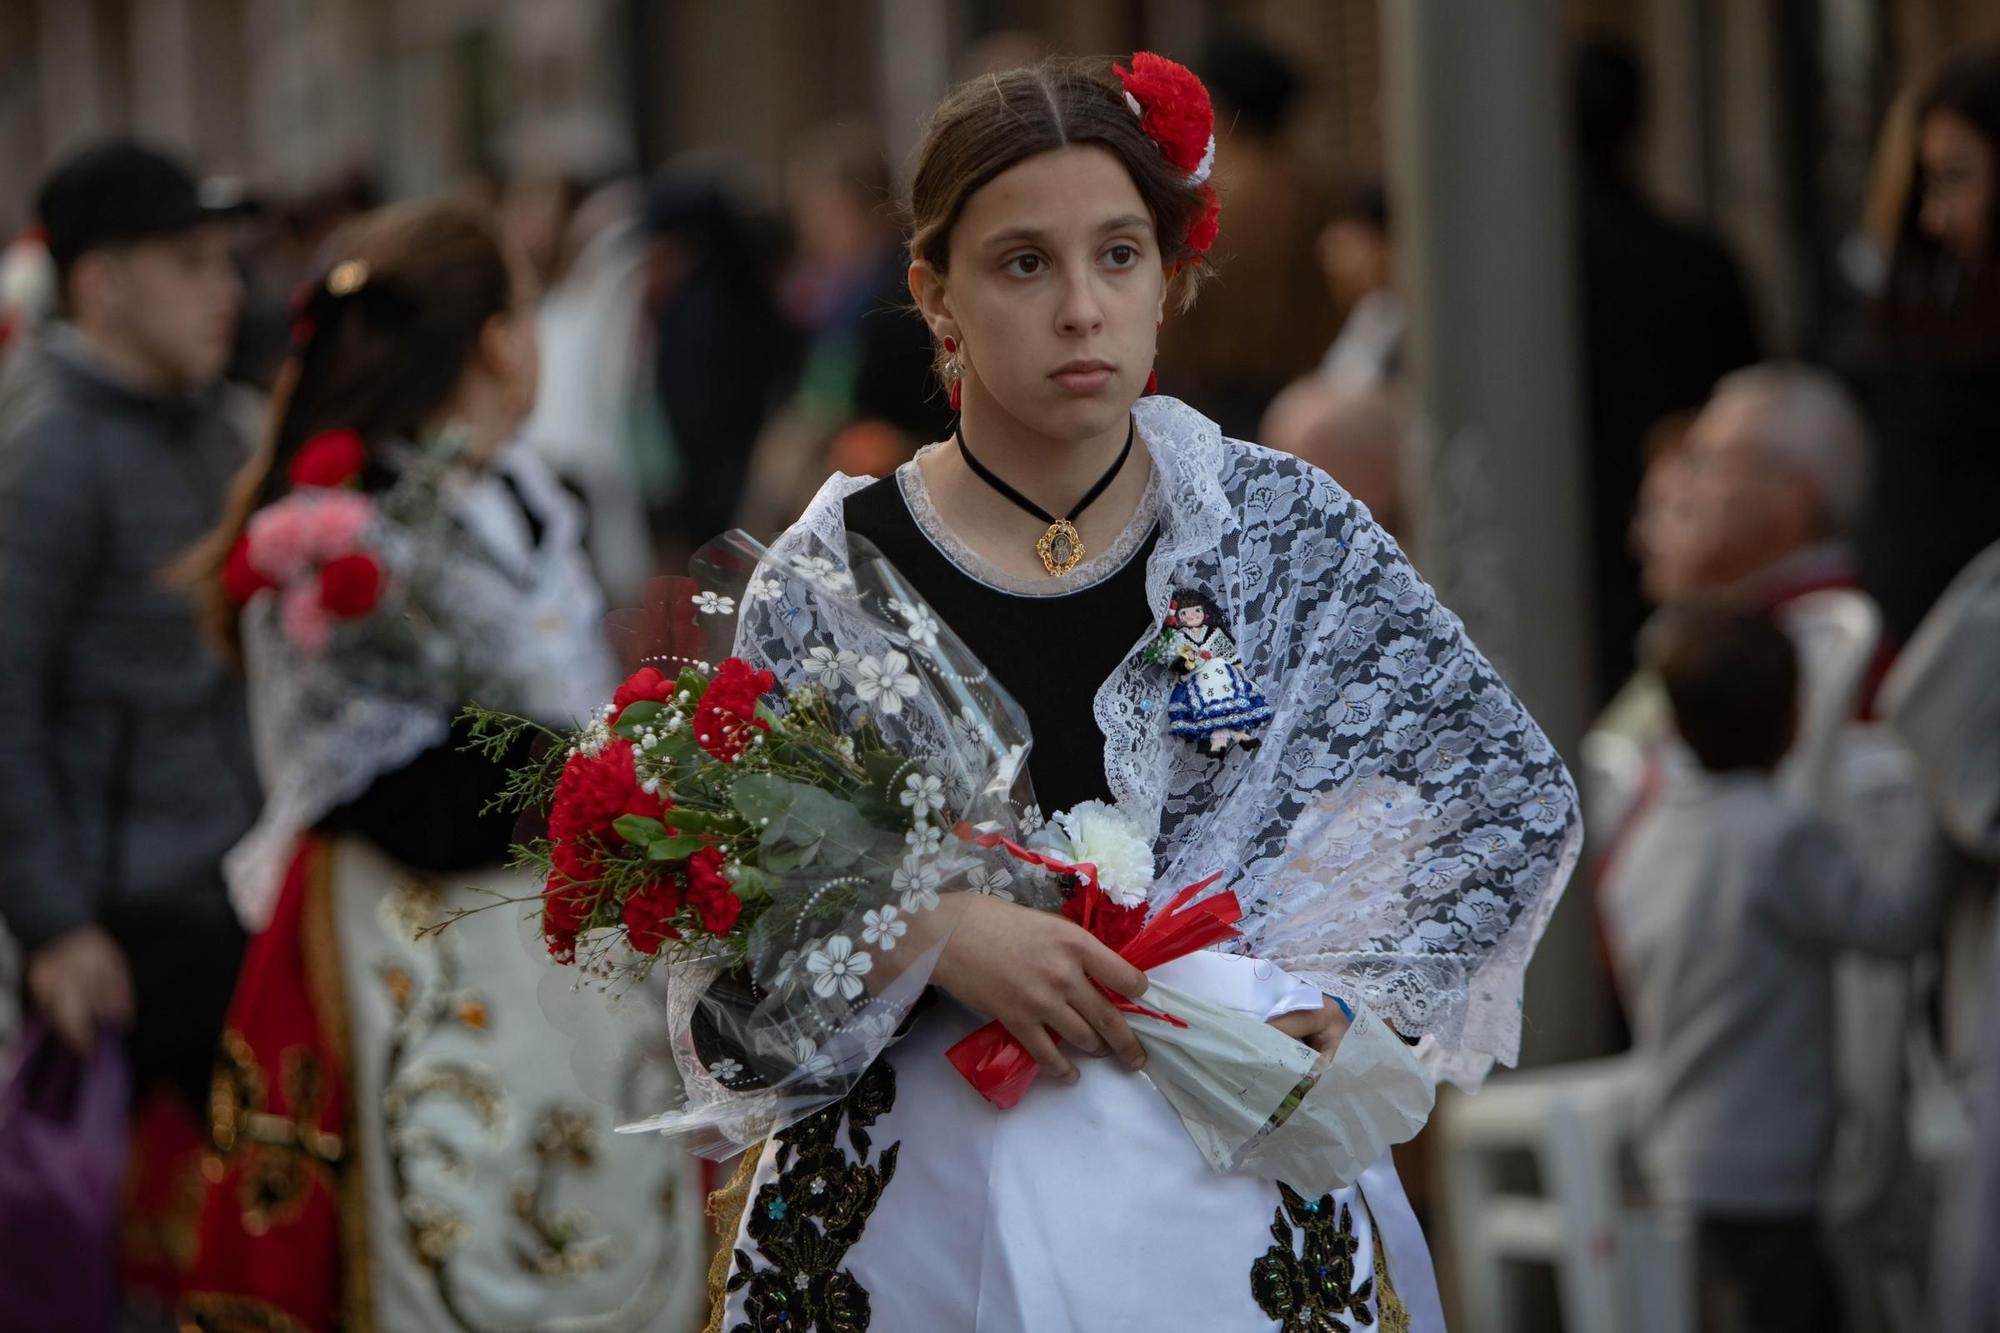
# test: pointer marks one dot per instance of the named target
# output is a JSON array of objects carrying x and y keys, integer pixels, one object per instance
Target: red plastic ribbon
[{"x": 995, "y": 1062}]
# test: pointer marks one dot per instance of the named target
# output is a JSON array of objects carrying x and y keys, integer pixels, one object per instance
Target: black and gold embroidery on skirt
[
  {"x": 283, "y": 1151},
  {"x": 1310, "y": 1290},
  {"x": 805, "y": 1221}
]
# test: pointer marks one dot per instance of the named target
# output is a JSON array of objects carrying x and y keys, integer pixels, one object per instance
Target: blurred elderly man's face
[{"x": 1747, "y": 505}]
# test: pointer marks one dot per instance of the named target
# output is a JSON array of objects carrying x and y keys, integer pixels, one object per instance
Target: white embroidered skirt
[
  {"x": 916, "y": 1206},
  {"x": 496, "y": 1194}
]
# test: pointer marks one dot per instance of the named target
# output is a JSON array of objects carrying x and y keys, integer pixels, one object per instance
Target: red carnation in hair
[
  {"x": 242, "y": 580},
  {"x": 350, "y": 585},
  {"x": 330, "y": 458},
  {"x": 1204, "y": 230},
  {"x": 1174, "y": 109}
]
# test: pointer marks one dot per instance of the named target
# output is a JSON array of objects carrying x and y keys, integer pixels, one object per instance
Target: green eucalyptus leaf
[
  {"x": 644, "y": 713},
  {"x": 675, "y": 848},
  {"x": 639, "y": 830}
]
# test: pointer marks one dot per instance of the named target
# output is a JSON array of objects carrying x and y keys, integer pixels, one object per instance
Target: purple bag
[{"x": 64, "y": 1137}]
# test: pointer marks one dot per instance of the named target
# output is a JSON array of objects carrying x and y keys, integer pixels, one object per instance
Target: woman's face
[
  {"x": 1958, "y": 182},
  {"x": 1055, "y": 293}
]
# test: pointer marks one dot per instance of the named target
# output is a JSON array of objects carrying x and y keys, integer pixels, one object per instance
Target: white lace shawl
[
  {"x": 525, "y": 619},
  {"x": 1405, "y": 830}
]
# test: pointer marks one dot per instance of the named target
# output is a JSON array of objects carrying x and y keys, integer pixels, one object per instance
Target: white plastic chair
[{"x": 1618, "y": 1269}]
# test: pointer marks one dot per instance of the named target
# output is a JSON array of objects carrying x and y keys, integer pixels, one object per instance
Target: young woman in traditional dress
[
  {"x": 1398, "y": 835},
  {"x": 399, "y": 1139}
]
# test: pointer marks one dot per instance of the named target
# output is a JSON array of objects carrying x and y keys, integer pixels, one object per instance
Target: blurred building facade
[{"x": 1764, "y": 114}]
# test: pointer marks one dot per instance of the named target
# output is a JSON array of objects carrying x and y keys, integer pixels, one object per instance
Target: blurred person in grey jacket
[
  {"x": 1726, "y": 914},
  {"x": 126, "y": 750}
]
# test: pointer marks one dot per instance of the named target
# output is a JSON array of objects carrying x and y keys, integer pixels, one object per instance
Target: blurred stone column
[{"x": 1479, "y": 171}]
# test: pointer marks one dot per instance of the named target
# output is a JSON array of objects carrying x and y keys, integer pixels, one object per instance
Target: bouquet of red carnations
[
  {"x": 777, "y": 854},
  {"x": 790, "y": 854}
]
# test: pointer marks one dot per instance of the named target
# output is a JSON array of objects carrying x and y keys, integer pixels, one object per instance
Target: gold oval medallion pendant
[{"x": 1061, "y": 547}]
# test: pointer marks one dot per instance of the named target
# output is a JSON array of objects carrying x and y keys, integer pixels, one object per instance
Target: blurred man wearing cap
[{"x": 126, "y": 752}]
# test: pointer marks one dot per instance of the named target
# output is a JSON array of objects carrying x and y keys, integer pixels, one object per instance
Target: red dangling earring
[
  {"x": 1152, "y": 382},
  {"x": 954, "y": 395}
]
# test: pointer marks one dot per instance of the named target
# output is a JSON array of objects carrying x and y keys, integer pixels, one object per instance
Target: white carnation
[{"x": 1106, "y": 837}]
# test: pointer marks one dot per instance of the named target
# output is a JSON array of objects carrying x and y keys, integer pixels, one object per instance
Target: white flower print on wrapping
[
  {"x": 992, "y": 881},
  {"x": 828, "y": 667},
  {"x": 918, "y": 881},
  {"x": 819, "y": 567},
  {"x": 924, "y": 840},
  {"x": 882, "y": 927},
  {"x": 714, "y": 604},
  {"x": 957, "y": 786},
  {"x": 970, "y": 731},
  {"x": 726, "y": 1070},
  {"x": 824, "y": 570},
  {"x": 787, "y": 966},
  {"x": 808, "y": 1057},
  {"x": 923, "y": 626},
  {"x": 875, "y": 1022},
  {"x": 922, "y": 793},
  {"x": 1323, "y": 608},
  {"x": 1013, "y": 762},
  {"x": 837, "y": 968},
  {"x": 885, "y": 682},
  {"x": 762, "y": 588}
]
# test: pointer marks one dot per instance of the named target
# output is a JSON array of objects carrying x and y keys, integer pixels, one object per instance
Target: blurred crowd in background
[{"x": 711, "y": 351}]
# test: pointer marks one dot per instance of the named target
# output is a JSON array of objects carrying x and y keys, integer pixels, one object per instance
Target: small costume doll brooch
[{"x": 1214, "y": 703}]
